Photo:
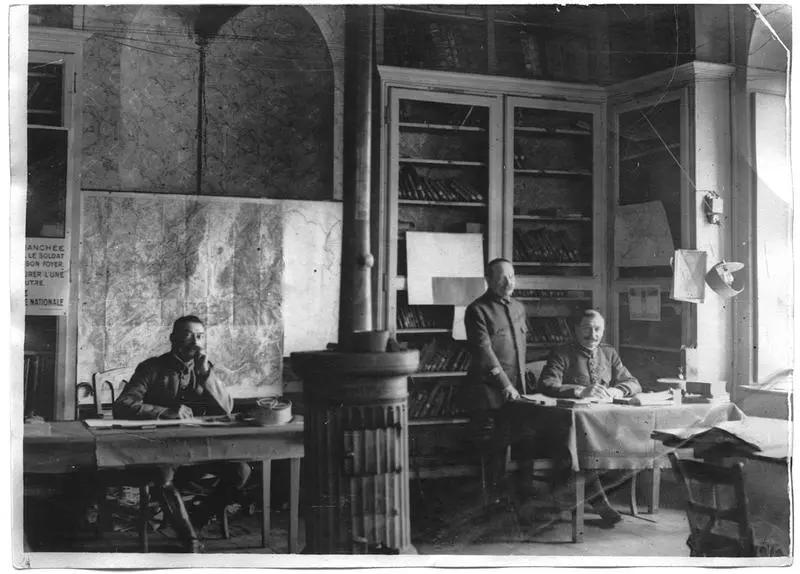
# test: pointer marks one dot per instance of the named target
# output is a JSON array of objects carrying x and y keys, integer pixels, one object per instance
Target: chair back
[
  {"x": 85, "y": 404},
  {"x": 716, "y": 508},
  {"x": 533, "y": 373},
  {"x": 107, "y": 386}
]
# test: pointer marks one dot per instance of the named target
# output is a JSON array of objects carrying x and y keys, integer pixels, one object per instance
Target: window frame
[
  {"x": 49, "y": 44},
  {"x": 745, "y": 234}
]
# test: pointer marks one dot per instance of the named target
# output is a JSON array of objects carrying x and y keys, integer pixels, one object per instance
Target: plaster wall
[{"x": 269, "y": 123}]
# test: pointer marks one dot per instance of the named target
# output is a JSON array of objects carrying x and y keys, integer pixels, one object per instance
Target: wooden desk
[
  {"x": 64, "y": 447},
  {"x": 606, "y": 437}
]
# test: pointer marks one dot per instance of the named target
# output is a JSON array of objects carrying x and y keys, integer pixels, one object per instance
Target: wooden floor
[
  {"x": 452, "y": 523},
  {"x": 448, "y": 518}
]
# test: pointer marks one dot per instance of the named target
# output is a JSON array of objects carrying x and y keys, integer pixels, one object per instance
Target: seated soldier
[
  {"x": 178, "y": 385},
  {"x": 588, "y": 368}
]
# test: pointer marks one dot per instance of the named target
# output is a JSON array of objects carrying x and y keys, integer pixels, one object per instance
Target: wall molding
[
  {"x": 697, "y": 71},
  {"x": 474, "y": 84}
]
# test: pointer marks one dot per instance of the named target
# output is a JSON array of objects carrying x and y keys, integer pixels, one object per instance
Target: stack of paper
[
  {"x": 538, "y": 399},
  {"x": 652, "y": 399},
  {"x": 222, "y": 420},
  {"x": 576, "y": 403}
]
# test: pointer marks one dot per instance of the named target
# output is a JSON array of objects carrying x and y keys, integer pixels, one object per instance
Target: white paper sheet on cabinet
[
  {"x": 431, "y": 255},
  {"x": 459, "y": 329},
  {"x": 644, "y": 303}
]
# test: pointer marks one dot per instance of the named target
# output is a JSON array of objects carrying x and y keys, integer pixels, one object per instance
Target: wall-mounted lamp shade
[{"x": 722, "y": 280}]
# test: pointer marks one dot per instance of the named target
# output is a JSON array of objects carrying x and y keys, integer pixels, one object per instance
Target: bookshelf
[
  {"x": 649, "y": 151},
  {"x": 441, "y": 168},
  {"x": 554, "y": 213},
  {"x": 467, "y": 153},
  {"x": 524, "y": 41}
]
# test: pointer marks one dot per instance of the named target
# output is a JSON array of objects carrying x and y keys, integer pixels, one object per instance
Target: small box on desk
[
  {"x": 711, "y": 390},
  {"x": 697, "y": 391}
]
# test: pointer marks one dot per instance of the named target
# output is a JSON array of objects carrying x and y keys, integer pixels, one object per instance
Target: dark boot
[
  {"x": 215, "y": 505},
  {"x": 596, "y": 497},
  {"x": 498, "y": 483},
  {"x": 176, "y": 515},
  {"x": 231, "y": 480}
]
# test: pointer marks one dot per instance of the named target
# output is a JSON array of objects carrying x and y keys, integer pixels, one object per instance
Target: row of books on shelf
[
  {"x": 415, "y": 317},
  {"x": 544, "y": 245},
  {"x": 443, "y": 355},
  {"x": 431, "y": 401},
  {"x": 417, "y": 187},
  {"x": 549, "y": 330},
  {"x": 445, "y": 43}
]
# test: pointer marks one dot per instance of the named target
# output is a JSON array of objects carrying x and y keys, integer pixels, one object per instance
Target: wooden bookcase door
[
  {"x": 651, "y": 148},
  {"x": 442, "y": 164},
  {"x": 670, "y": 139},
  {"x": 554, "y": 213}
]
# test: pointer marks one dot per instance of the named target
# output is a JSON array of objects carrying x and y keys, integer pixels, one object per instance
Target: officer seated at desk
[
  {"x": 587, "y": 368},
  {"x": 181, "y": 384}
]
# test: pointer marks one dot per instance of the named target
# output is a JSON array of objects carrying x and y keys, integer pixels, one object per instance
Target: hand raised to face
[{"x": 201, "y": 364}]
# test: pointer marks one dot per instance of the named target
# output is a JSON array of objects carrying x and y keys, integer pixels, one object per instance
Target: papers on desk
[
  {"x": 575, "y": 403},
  {"x": 538, "y": 399},
  {"x": 581, "y": 402},
  {"x": 661, "y": 398},
  {"x": 223, "y": 420}
]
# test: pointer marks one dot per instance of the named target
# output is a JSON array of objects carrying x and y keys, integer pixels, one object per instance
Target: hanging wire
[
  {"x": 674, "y": 63},
  {"x": 644, "y": 113},
  {"x": 192, "y": 51}
]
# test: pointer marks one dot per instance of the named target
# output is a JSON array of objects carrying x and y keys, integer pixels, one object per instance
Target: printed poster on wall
[{"x": 46, "y": 276}]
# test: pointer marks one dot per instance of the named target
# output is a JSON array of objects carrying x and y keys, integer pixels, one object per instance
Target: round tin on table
[{"x": 272, "y": 411}]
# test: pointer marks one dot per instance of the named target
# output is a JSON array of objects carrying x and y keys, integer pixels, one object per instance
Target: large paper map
[
  {"x": 641, "y": 235},
  {"x": 264, "y": 274}
]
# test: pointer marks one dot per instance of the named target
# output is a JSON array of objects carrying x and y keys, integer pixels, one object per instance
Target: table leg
[
  {"x": 634, "y": 506},
  {"x": 655, "y": 479},
  {"x": 144, "y": 512},
  {"x": 577, "y": 507},
  {"x": 266, "y": 479},
  {"x": 294, "y": 503}
]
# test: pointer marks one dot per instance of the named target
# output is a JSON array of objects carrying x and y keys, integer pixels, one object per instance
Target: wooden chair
[
  {"x": 107, "y": 386},
  {"x": 716, "y": 508},
  {"x": 89, "y": 403}
]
